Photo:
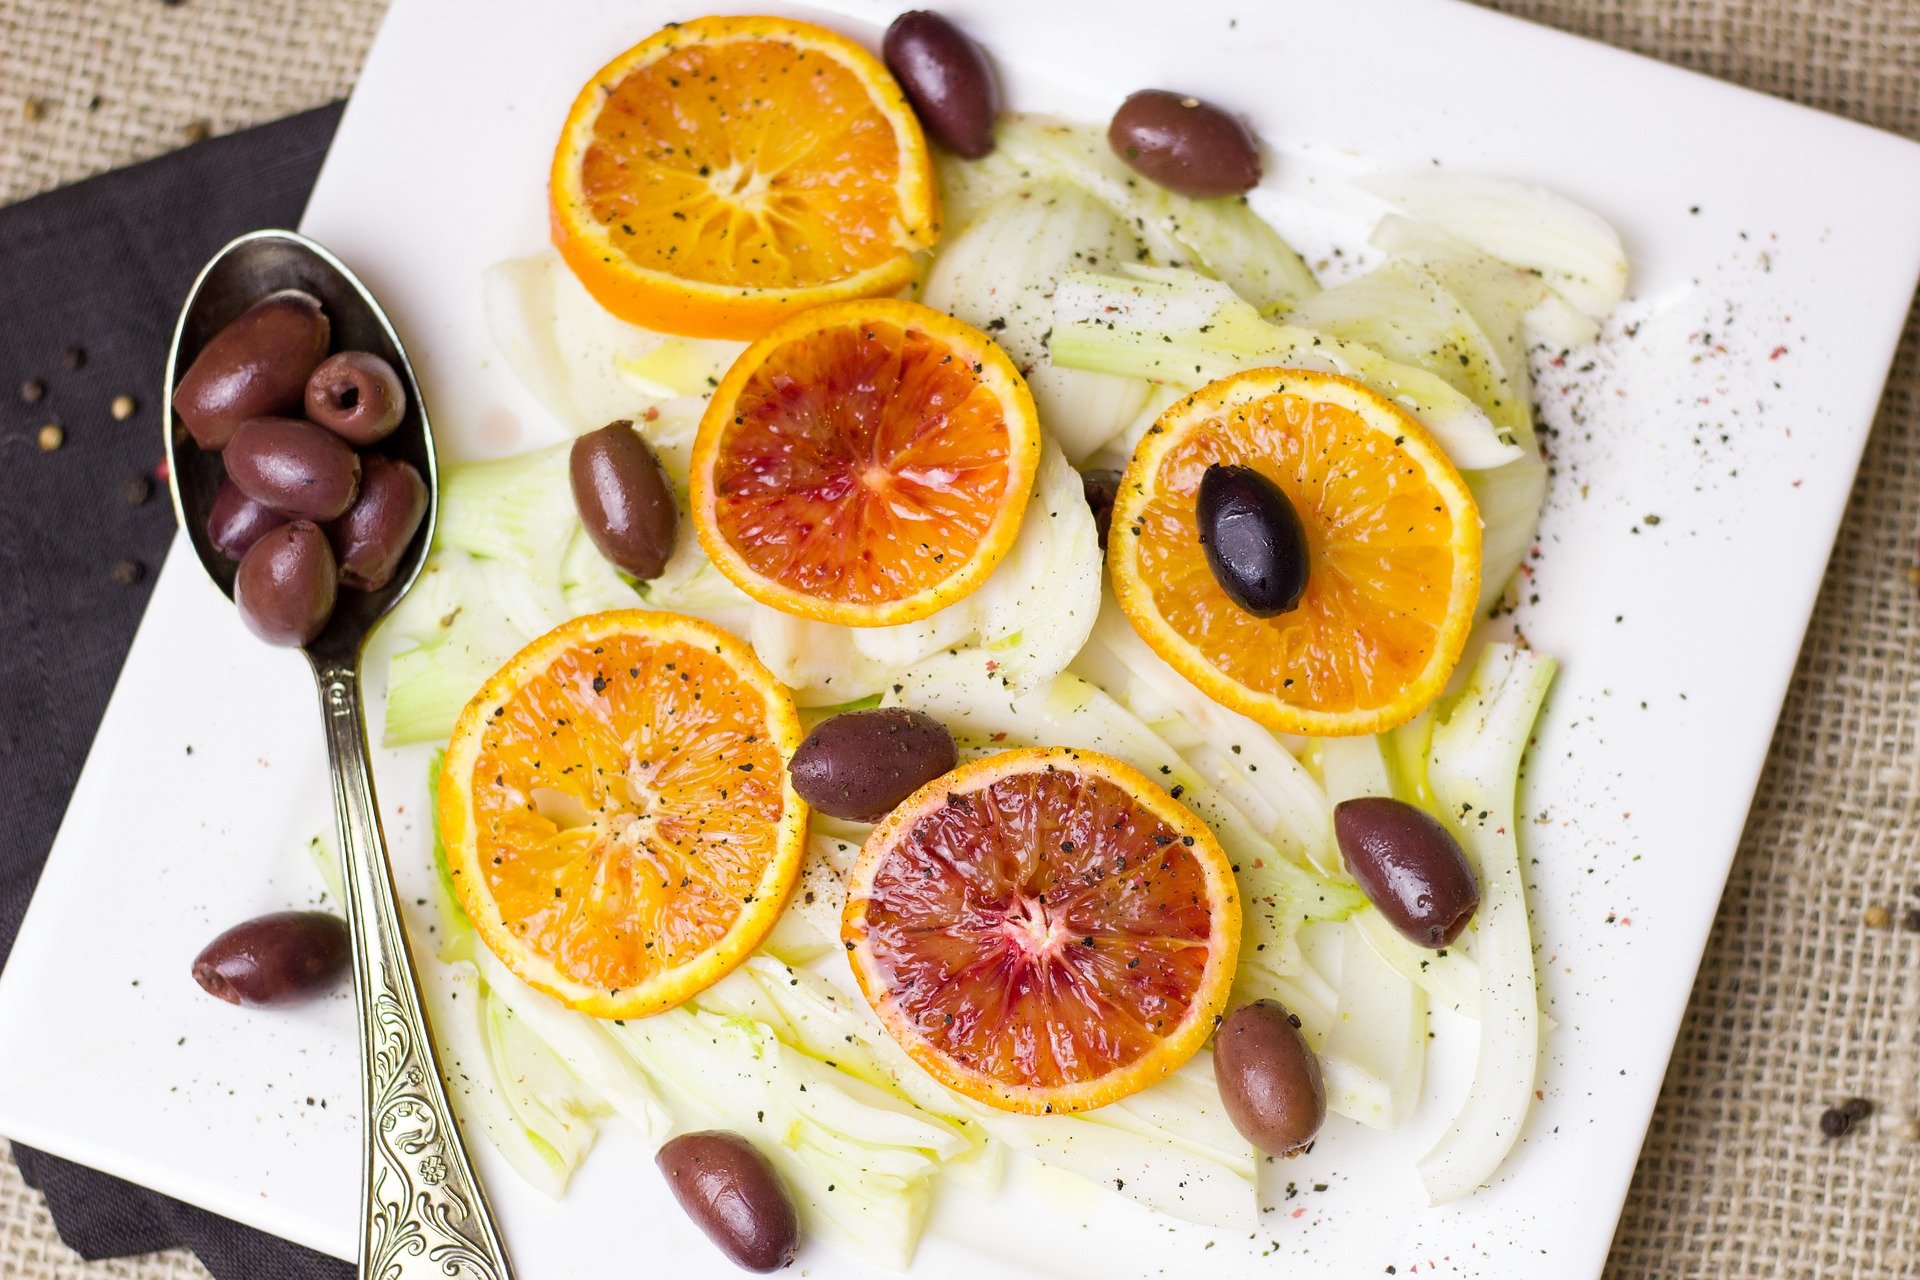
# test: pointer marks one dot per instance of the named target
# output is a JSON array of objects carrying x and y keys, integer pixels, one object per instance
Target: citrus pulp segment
[
  {"x": 865, "y": 463},
  {"x": 1044, "y": 930},
  {"x": 616, "y": 811},
  {"x": 1393, "y": 543},
  {"x": 728, "y": 172}
]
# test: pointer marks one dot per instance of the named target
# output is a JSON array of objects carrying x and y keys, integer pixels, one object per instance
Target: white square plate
[{"x": 1775, "y": 252}]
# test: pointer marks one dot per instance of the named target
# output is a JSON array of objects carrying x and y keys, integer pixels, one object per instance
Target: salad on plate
[{"x": 1005, "y": 662}]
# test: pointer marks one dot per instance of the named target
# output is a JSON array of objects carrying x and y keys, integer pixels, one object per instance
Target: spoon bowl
[
  {"x": 242, "y": 273},
  {"x": 423, "y": 1213}
]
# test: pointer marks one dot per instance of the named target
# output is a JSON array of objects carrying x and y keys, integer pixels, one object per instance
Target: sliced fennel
[
  {"x": 1250, "y": 767},
  {"x": 1474, "y": 766},
  {"x": 1224, "y": 238},
  {"x": 586, "y": 367},
  {"x": 998, "y": 275},
  {"x": 1031, "y": 617},
  {"x": 1404, "y": 312},
  {"x": 1572, "y": 248},
  {"x": 1181, "y": 328},
  {"x": 1510, "y": 498},
  {"x": 857, "y": 1158}
]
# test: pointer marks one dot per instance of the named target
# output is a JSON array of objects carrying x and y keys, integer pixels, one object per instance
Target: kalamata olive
[
  {"x": 732, "y": 1194},
  {"x": 624, "y": 498},
  {"x": 287, "y": 583},
  {"x": 1409, "y": 866},
  {"x": 256, "y": 366},
  {"x": 1269, "y": 1079},
  {"x": 277, "y": 959},
  {"x": 1186, "y": 145},
  {"x": 296, "y": 468},
  {"x": 947, "y": 78},
  {"x": 370, "y": 538},
  {"x": 1101, "y": 486},
  {"x": 858, "y": 765},
  {"x": 357, "y": 396},
  {"x": 235, "y": 522},
  {"x": 1253, "y": 540}
]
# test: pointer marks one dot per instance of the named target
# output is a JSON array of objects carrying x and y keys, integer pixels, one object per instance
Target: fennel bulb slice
[
  {"x": 1572, "y": 248},
  {"x": 856, "y": 1158},
  {"x": 1474, "y": 767},
  {"x": 1181, "y": 328},
  {"x": 998, "y": 275},
  {"x": 1510, "y": 499},
  {"x": 586, "y": 367},
  {"x": 1225, "y": 238},
  {"x": 1404, "y": 312}
]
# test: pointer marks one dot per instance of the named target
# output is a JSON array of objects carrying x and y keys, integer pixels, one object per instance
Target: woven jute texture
[{"x": 1799, "y": 1004}]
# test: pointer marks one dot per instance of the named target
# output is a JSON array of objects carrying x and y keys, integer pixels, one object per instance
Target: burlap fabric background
[{"x": 1799, "y": 1003}]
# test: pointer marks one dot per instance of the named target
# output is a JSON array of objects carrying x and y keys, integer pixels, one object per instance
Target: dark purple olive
[
  {"x": 624, "y": 498},
  {"x": 1409, "y": 866},
  {"x": 1269, "y": 1079},
  {"x": 1186, "y": 145},
  {"x": 277, "y": 959},
  {"x": 256, "y": 366},
  {"x": 732, "y": 1194},
  {"x": 859, "y": 765},
  {"x": 947, "y": 78},
  {"x": 296, "y": 468},
  {"x": 1253, "y": 540},
  {"x": 357, "y": 396},
  {"x": 287, "y": 583},
  {"x": 1101, "y": 487},
  {"x": 236, "y": 522},
  {"x": 370, "y": 538}
]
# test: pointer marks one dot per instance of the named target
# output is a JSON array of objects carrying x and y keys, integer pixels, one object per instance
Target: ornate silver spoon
[{"x": 423, "y": 1210}]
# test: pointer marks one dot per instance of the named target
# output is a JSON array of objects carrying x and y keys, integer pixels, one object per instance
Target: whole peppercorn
[
  {"x": 1834, "y": 1122},
  {"x": 1856, "y": 1110},
  {"x": 52, "y": 436}
]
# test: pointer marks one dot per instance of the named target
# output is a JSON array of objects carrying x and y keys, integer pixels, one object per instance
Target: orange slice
[
  {"x": 1044, "y": 930},
  {"x": 865, "y": 463},
  {"x": 616, "y": 810},
  {"x": 727, "y": 172},
  {"x": 1393, "y": 540}
]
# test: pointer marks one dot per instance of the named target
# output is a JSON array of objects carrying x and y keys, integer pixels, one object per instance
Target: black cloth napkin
[{"x": 91, "y": 280}]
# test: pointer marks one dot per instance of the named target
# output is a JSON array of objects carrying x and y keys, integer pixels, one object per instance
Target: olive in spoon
[{"x": 423, "y": 1210}]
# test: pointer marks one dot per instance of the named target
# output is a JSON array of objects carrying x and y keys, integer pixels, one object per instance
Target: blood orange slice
[
  {"x": 1044, "y": 930},
  {"x": 865, "y": 463},
  {"x": 616, "y": 810}
]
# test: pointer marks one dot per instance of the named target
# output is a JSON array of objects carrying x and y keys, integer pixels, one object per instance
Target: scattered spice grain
[
  {"x": 52, "y": 436},
  {"x": 123, "y": 407}
]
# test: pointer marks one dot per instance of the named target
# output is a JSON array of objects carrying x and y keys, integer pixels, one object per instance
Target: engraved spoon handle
[{"x": 423, "y": 1212}]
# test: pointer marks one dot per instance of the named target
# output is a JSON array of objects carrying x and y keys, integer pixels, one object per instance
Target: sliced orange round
[
  {"x": 727, "y": 172},
  {"x": 618, "y": 819},
  {"x": 865, "y": 463},
  {"x": 1393, "y": 545},
  {"x": 1044, "y": 930}
]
